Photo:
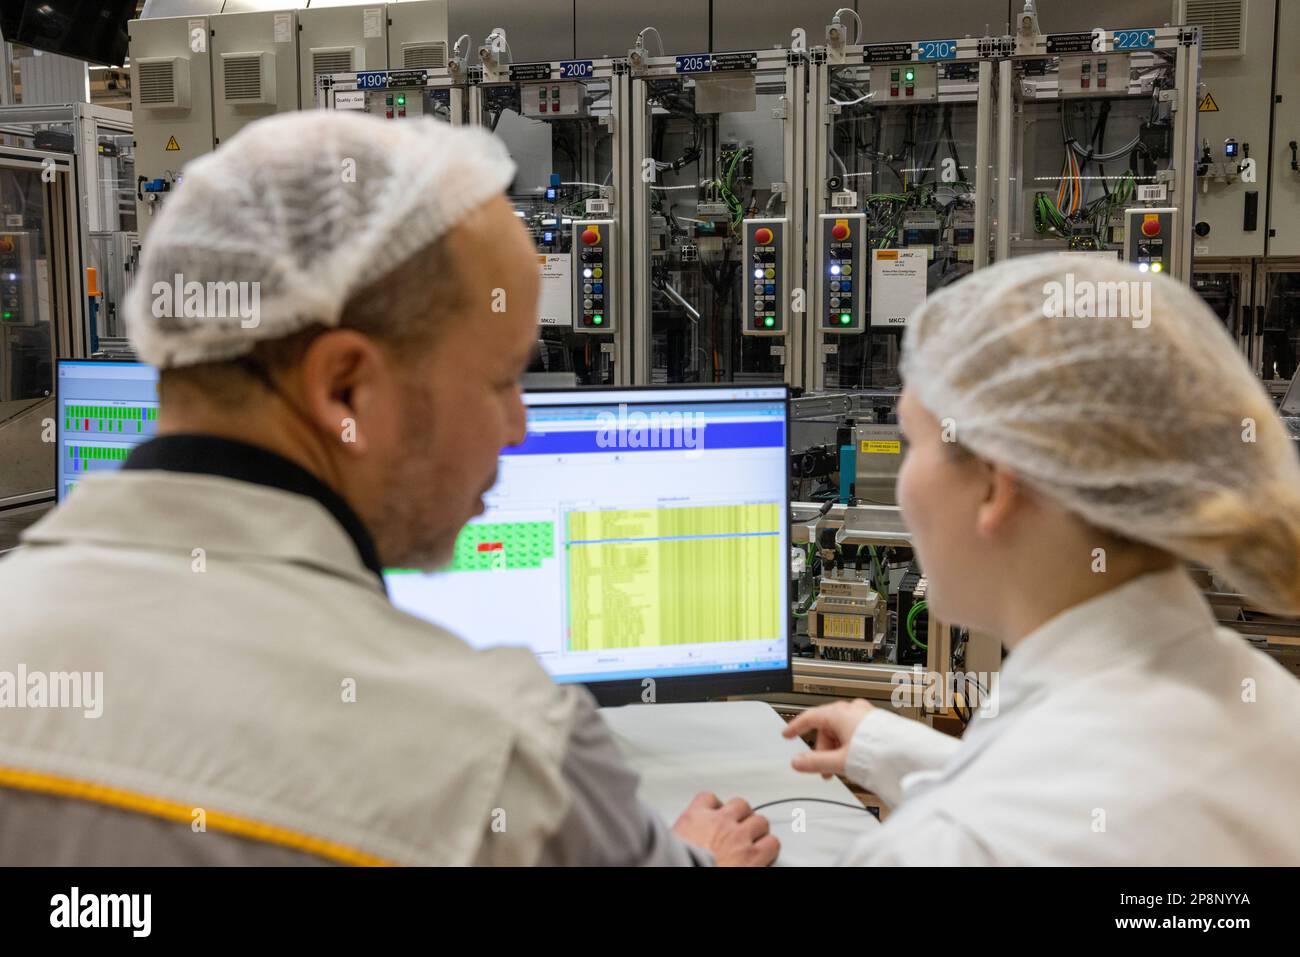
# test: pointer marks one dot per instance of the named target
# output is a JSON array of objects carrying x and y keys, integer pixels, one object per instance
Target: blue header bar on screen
[
  {"x": 711, "y": 435},
  {"x": 622, "y": 420}
]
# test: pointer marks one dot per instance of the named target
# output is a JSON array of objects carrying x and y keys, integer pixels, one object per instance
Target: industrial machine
[
  {"x": 1246, "y": 234},
  {"x": 900, "y": 188},
  {"x": 565, "y": 124},
  {"x": 718, "y": 156},
  {"x": 1097, "y": 144},
  {"x": 41, "y": 297}
]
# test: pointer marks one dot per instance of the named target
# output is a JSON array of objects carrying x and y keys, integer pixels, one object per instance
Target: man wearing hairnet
[
  {"x": 262, "y": 700},
  {"x": 1077, "y": 432}
]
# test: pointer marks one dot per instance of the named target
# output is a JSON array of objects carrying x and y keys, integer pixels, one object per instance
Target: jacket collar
[
  {"x": 190, "y": 494},
  {"x": 1130, "y": 620},
  {"x": 211, "y": 455},
  {"x": 1117, "y": 629}
]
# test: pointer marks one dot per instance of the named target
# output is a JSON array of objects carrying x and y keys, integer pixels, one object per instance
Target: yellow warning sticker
[
  {"x": 1208, "y": 105},
  {"x": 172, "y": 145},
  {"x": 886, "y": 446}
]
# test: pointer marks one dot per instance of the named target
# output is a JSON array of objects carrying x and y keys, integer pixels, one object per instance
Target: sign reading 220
[
  {"x": 1135, "y": 39},
  {"x": 936, "y": 50}
]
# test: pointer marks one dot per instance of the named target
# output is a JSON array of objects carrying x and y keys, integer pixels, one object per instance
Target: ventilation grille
[
  {"x": 1222, "y": 23},
  {"x": 157, "y": 82},
  {"x": 243, "y": 77},
  {"x": 331, "y": 61},
  {"x": 424, "y": 56}
]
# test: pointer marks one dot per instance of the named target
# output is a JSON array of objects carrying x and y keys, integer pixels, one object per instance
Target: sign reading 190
[{"x": 936, "y": 49}]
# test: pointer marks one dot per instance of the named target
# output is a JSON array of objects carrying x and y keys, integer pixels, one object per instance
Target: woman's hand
[{"x": 834, "y": 724}]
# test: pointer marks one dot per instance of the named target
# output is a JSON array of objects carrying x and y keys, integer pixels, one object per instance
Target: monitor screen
[
  {"x": 91, "y": 30},
  {"x": 637, "y": 542},
  {"x": 106, "y": 409}
]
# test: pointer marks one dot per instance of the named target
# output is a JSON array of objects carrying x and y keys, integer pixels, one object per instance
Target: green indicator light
[
  {"x": 9, "y": 315},
  {"x": 909, "y": 76},
  {"x": 597, "y": 320},
  {"x": 769, "y": 322},
  {"x": 401, "y": 99},
  {"x": 845, "y": 318}
]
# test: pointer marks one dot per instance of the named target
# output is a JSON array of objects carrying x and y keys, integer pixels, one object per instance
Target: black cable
[
  {"x": 952, "y": 143},
  {"x": 856, "y": 807}
]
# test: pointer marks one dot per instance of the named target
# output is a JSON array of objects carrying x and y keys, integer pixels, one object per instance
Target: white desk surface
[{"x": 735, "y": 749}]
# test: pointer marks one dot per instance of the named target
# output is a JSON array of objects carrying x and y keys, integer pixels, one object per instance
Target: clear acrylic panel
[
  {"x": 911, "y": 163},
  {"x": 578, "y": 149},
  {"x": 713, "y": 170}
]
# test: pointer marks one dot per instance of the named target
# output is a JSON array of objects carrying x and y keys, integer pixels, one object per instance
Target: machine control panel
[
  {"x": 393, "y": 103},
  {"x": 1099, "y": 75},
  {"x": 18, "y": 302},
  {"x": 553, "y": 99},
  {"x": 843, "y": 272},
  {"x": 765, "y": 285},
  {"x": 593, "y": 278},
  {"x": 905, "y": 82},
  {"x": 1149, "y": 237}
]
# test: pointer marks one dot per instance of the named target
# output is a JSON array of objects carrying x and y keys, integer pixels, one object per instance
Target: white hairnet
[
  {"x": 1149, "y": 424},
  {"x": 307, "y": 207}
]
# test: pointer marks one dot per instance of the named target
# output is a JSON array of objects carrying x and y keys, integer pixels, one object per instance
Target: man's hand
[
  {"x": 834, "y": 724},
  {"x": 732, "y": 832}
]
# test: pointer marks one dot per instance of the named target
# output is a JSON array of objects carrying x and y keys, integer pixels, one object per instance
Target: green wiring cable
[
  {"x": 880, "y": 572},
  {"x": 912, "y": 614}
]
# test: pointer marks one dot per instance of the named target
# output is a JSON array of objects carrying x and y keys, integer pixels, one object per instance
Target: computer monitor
[
  {"x": 106, "y": 408},
  {"x": 637, "y": 542}
]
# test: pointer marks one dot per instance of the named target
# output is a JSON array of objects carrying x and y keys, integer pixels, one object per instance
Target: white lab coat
[
  {"x": 232, "y": 623},
  {"x": 1130, "y": 730}
]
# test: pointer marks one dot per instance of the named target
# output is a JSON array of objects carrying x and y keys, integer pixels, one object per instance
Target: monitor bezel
[
  {"x": 59, "y": 362},
  {"x": 715, "y": 685}
]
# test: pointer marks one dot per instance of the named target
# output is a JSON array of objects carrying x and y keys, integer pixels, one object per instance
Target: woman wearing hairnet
[{"x": 1062, "y": 467}]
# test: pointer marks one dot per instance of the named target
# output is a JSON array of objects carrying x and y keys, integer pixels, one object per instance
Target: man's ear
[
  {"x": 340, "y": 375},
  {"x": 1003, "y": 498}
]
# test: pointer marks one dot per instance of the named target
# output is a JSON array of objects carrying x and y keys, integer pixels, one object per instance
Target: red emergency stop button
[
  {"x": 590, "y": 236},
  {"x": 1151, "y": 226},
  {"x": 762, "y": 236},
  {"x": 840, "y": 231}
]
